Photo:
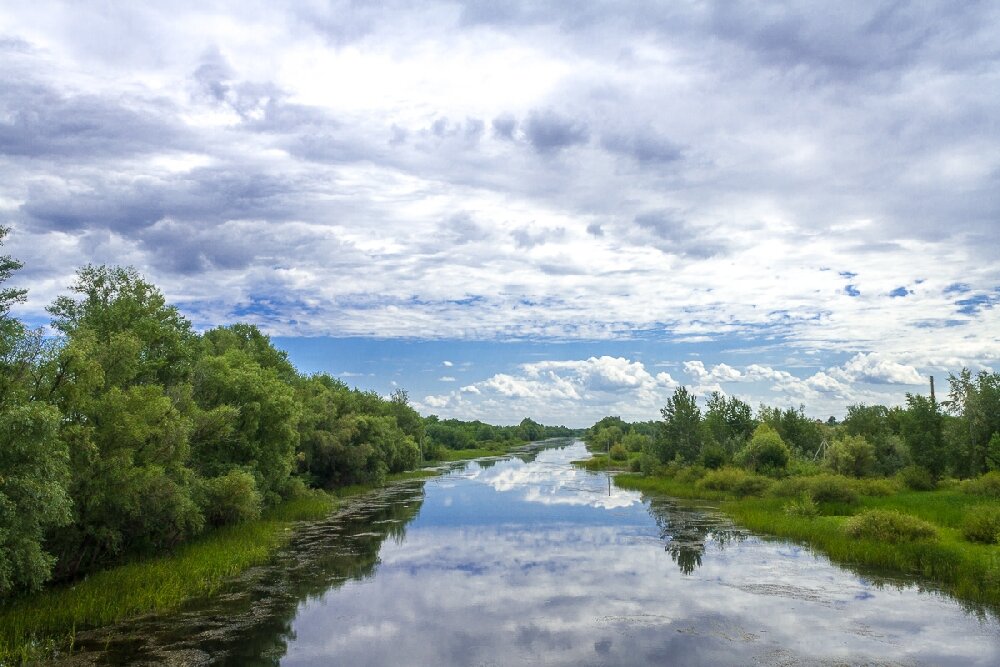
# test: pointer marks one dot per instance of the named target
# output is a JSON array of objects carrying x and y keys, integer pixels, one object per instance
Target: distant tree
[
  {"x": 681, "y": 431},
  {"x": 729, "y": 421},
  {"x": 974, "y": 401},
  {"x": 922, "y": 427}
]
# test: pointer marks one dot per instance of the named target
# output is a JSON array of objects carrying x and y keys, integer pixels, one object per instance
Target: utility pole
[{"x": 933, "y": 400}]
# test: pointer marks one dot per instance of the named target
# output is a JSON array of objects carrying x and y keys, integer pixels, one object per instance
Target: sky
[{"x": 545, "y": 209}]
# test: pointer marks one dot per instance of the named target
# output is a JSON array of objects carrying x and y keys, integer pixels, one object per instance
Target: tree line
[
  {"x": 128, "y": 432},
  {"x": 926, "y": 439}
]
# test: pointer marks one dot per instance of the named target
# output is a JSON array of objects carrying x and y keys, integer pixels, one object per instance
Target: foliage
[
  {"x": 618, "y": 453},
  {"x": 975, "y": 402},
  {"x": 852, "y": 455},
  {"x": 922, "y": 429},
  {"x": 766, "y": 451},
  {"x": 230, "y": 498},
  {"x": 681, "y": 432},
  {"x": 735, "y": 480},
  {"x": 798, "y": 432},
  {"x": 982, "y": 524},
  {"x": 729, "y": 422},
  {"x": 986, "y": 485},
  {"x": 917, "y": 478},
  {"x": 889, "y": 526},
  {"x": 803, "y": 506}
]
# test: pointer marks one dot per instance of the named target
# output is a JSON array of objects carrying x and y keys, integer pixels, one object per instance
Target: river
[{"x": 531, "y": 561}]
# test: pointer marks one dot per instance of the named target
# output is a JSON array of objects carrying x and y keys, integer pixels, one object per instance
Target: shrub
[
  {"x": 804, "y": 506},
  {"x": 635, "y": 464},
  {"x": 713, "y": 457},
  {"x": 690, "y": 475},
  {"x": 889, "y": 526},
  {"x": 917, "y": 478},
  {"x": 734, "y": 480},
  {"x": 231, "y": 498},
  {"x": 618, "y": 452},
  {"x": 985, "y": 485},
  {"x": 752, "y": 485},
  {"x": 982, "y": 524},
  {"x": 766, "y": 451},
  {"x": 853, "y": 455},
  {"x": 647, "y": 464},
  {"x": 832, "y": 489},
  {"x": 877, "y": 487}
]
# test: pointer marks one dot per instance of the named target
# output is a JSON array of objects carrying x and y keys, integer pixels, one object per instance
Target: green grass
[
  {"x": 40, "y": 624},
  {"x": 968, "y": 570}
]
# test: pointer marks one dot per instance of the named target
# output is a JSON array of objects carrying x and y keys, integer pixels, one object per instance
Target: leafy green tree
[
  {"x": 798, "y": 431},
  {"x": 878, "y": 425},
  {"x": 922, "y": 427},
  {"x": 681, "y": 431},
  {"x": 975, "y": 403},
  {"x": 119, "y": 380},
  {"x": 530, "y": 430},
  {"x": 255, "y": 417},
  {"x": 33, "y": 461},
  {"x": 729, "y": 421}
]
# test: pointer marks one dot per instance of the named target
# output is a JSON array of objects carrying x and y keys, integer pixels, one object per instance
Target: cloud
[
  {"x": 487, "y": 172},
  {"x": 549, "y": 131}
]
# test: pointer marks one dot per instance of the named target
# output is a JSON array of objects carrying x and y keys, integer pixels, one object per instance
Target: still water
[{"x": 530, "y": 561}]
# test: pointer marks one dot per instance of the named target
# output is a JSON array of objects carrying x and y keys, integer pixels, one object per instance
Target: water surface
[{"x": 530, "y": 561}]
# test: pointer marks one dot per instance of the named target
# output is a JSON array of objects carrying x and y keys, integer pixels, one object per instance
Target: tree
[
  {"x": 681, "y": 430},
  {"x": 33, "y": 461},
  {"x": 729, "y": 421},
  {"x": 120, "y": 380},
  {"x": 975, "y": 403},
  {"x": 923, "y": 434}
]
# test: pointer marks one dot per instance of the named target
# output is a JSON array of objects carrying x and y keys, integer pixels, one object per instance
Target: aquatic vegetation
[{"x": 739, "y": 482}]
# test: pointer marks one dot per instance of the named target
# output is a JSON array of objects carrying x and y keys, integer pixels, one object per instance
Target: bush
[
  {"x": 982, "y": 524},
  {"x": 753, "y": 485},
  {"x": 690, "y": 475},
  {"x": 877, "y": 487},
  {"x": 618, "y": 453},
  {"x": 734, "y": 480},
  {"x": 804, "y": 506},
  {"x": 635, "y": 465},
  {"x": 917, "y": 478},
  {"x": 985, "y": 485},
  {"x": 647, "y": 464},
  {"x": 889, "y": 526},
  {"x": 853, "y": 456},
  {"x": 713, "y": 457},
  {"x": 766, "y": 451},
  {"x": 231, "y": 498},
  {"x": 832, "y": 489}
]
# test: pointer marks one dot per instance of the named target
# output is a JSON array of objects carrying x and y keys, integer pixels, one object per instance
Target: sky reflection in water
[{"x": 537, "y": 562}]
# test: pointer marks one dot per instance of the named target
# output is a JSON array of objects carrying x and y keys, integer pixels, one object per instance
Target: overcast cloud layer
[{"x": 811, "y": 177}]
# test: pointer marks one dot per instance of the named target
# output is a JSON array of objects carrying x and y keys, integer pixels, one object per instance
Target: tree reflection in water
[{"x": 687, "y": 528}]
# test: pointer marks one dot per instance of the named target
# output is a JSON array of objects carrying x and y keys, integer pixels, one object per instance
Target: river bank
[{"x": 941, "y": 555}]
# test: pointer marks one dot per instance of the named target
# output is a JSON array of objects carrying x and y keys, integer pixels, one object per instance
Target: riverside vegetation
[
  {"x": 143, "y": 463},
  {"x": 911, "y": 490}
]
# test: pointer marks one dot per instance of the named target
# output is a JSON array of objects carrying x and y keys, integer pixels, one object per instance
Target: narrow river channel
[{"x": 530, "y": 561}]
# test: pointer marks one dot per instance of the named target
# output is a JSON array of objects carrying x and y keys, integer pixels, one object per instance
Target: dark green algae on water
[{"x": 529, "y": 560}]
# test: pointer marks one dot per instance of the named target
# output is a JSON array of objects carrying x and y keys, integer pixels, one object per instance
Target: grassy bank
[
  {"x": 46, "y": 622},
  {"x": 969, "y": 570},
  {"x": 41, "y": 623},
  {"x": 449, "y": 455}
]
